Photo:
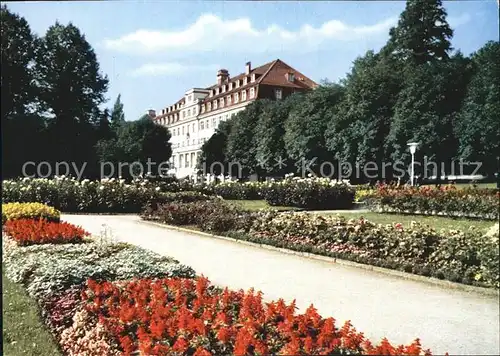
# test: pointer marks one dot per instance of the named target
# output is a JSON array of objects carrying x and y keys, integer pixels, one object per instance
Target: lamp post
[{"x": 413, "y": 148}]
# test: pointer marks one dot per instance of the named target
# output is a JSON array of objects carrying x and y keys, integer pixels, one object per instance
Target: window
[
  {"x": 230, "y": 86},
  {"x": 236, "y": 97},
  {"x": 194, "y": 111},
  {"x": 213, "y": 123},
  {"x": 224, "y": 88},
  {"x": 217, "y": 91},
  {"x": 189, "y": 98},
  {"x": 183, "y": 130},
  {"x": 187, "y": 128},
  {"x": 183, "y": 114},
  {"x": 245, "y": 81},
  {"x": 221, "y": 101},
  {"x": 192, "y": 159},
  {"x": 228, "y": 100},
  {"x": 192, "y": 130},
  {"x": 291, "y": 77},
  {"x": 253, "y": 77},
  {"x": 207, "y": 124},
  {"x": 178, "y": 132},
  {"x": 227, "y": 116},
  {"x": 209, "y": 106},
  {"x": 181, "y": 159},
  {"x": 243, "y": 95},
  {"x": 189, "y": 112},
  {"x": 186, "y": 160},
  {"x": 215, "y": 104},
  {"x": 238, "y": 83},
  {"x": 252, "y": 92},
  {"x": 203, "y": 108},
  {"x": 211, "y": 92},
  {"x": 202, "y": 125},
  {"x": 278, "y": 94}
]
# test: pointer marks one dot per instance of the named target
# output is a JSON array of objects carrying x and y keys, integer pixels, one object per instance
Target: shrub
[
  {"x": 105, "y": 196},
  {"x": 178, "y": 316},
  {"x": 310, "y": 193},
  {"x": 447, "y": 200},
  {"x": 41, "y": 231},
  {"x": 13, "y": 211},
  {"x": 214, "y": 215}
]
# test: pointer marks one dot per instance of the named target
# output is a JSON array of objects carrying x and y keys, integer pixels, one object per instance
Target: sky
[{"x": 154, "y": 51}]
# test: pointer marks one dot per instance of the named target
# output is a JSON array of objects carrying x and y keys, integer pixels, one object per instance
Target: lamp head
[{"x": 413, "y": 147}]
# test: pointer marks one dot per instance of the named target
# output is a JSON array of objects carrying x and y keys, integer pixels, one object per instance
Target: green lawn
[
  {"x": 23, "y": 332},
  {"x": 436, "y": 222},
  {"x": 258, "y": 204}
]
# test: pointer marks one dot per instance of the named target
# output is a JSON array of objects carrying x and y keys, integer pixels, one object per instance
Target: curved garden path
[{"x": 380, "y": 305}]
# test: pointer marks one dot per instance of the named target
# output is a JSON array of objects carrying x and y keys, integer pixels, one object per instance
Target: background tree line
[
  {"x": 53, "y": 92},
  {"x": 416, "y": 88}
]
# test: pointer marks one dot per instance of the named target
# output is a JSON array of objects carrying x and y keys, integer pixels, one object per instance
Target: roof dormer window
[
  {"x": 224, "y": 88},
  {"x": 245, "y": 81},
  {"x": 230, "y": 86},
  {"x": 253, "y": 77}
]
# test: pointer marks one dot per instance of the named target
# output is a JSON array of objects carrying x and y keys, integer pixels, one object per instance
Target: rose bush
[
  {"x": 105, "y": 196},
  {"x": 309, "y": 193},
  {"x": 447, "y": 200}
]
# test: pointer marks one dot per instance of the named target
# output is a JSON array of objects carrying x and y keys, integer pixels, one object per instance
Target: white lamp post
[{"x": 413, "y": 148}]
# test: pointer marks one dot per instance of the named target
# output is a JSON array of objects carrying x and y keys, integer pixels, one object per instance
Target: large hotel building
[{"x": 194, "y": 118}]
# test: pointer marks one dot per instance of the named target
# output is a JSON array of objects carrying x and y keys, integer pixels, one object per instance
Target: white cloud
[
  {"x": 211, "y": 33},
  {"x": 169, "y": 68}
]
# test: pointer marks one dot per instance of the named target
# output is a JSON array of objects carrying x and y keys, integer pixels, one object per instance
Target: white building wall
[{"x": 192, "y": 130}]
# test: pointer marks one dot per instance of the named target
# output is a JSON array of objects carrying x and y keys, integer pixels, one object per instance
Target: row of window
[
  {"x": 201, "y": 125},
  {"x": 185, "y": 160},
  {"x": 237, "y": 83},
  {"x": 228, "y": 100},
  {"x": 216, "y": 104},
  {"x": 187, "y": 143}
]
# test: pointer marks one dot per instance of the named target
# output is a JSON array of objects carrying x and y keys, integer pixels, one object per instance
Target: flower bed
[
  {"x": 13, "y": 211},
  {"x": 447, "y": 200},
  {"x": 466, "y": 257},
  {"x": 41, "y": 231},
  {"x": 101, "y": 298},
  {"x": 106, "y": 196},
  {"x": 186, "y": 317}
]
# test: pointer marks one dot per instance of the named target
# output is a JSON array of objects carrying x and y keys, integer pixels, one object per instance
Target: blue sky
[{"x": 153, "y": 51}]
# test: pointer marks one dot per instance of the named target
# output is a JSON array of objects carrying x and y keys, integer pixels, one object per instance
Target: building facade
[{"x": 193, "y": 119}]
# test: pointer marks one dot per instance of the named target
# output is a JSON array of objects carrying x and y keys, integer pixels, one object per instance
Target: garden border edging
[{"x": 404, "y": 275}]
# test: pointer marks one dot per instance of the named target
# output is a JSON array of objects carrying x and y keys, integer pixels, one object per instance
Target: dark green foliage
[{"x": 478, "y": 122}]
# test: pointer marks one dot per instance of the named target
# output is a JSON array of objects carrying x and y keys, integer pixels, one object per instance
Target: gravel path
[{"x": 377, "y": 304}]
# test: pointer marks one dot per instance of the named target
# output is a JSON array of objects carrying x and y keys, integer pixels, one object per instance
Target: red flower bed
[
  {"x": 183, "y": 316},
  {"x": 29, "y": 232}
]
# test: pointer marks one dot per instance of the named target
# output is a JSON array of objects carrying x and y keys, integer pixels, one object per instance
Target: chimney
[
  {"x": 222, "y": 76},
  {"x": 248, "y": 68},
  {"x": 152, "y": 113}
]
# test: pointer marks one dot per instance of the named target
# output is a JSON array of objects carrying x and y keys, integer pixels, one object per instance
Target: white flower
[{"x": 157, "y": 189}]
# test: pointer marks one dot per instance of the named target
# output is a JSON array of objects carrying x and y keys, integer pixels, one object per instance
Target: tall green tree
[
  {"x": 213, "y": 158},
  {"x": 270, "y": 149},
  {"x": 360, "y": 128},
  {"x": 422, "y": 34},
  {"x": 20, "y": 121},
  {"x": 306, "y": 124},
  {"x": 242, "y": 143},
  {"x": 138, "y": 141},
  {"x": 477, "y": 126},
  {"x": 117, "y": 114},
  {"x": 427, "y": 109},
  {"x": 72, "y": 89},
  {"x": 18, "y": 55}
]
